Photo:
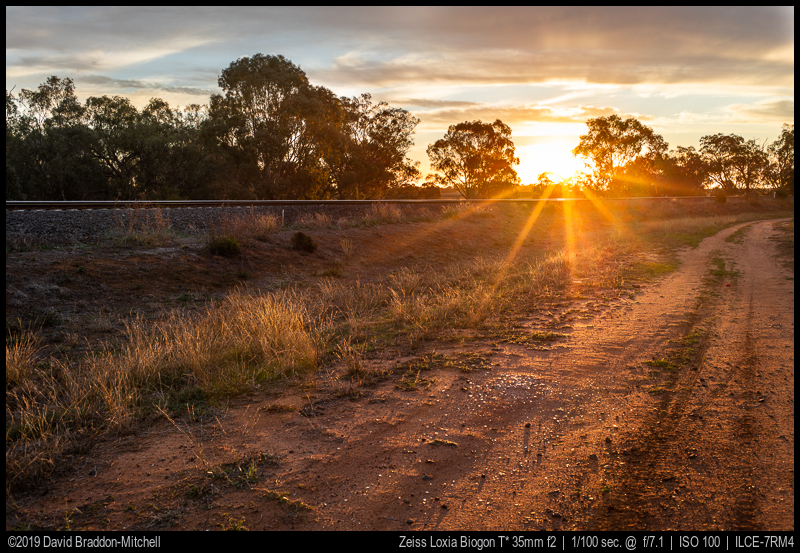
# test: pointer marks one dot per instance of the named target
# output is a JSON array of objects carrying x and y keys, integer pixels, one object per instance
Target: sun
[{"x": 547, "y": 157}]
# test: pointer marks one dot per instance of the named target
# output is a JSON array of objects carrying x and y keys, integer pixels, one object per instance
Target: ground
[{"x": 667, "y": 407}]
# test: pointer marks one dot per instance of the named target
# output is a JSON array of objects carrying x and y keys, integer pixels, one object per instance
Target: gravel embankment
[{"x": 92, "y": 225}]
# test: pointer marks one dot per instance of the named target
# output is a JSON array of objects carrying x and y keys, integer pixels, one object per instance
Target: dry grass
[
  {"x": 142, "y": 226},
  {"x": 54, "y": 406},
  {"x": 382, "y": 213},
  {"x": 248, "y": 226}
]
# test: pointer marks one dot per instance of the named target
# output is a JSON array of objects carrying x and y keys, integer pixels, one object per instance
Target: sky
[{"x": 685, "y": 72}]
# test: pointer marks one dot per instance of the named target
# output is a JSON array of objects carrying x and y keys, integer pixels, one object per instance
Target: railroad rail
[{"x": 166, "y": 204}]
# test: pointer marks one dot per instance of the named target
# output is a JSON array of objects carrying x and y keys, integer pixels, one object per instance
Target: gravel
[{"x": 92, "y": 225}]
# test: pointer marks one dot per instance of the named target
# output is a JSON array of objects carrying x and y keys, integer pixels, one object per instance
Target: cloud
[
  {"x": 423, "y": 103},
  {"x": 108, "y": 82},
  {"x": 776, "y": 110},
  {"x": 515, "y": 115},
  {"x": 620, "y": 67},
  {"x": 387, "y": 46}
]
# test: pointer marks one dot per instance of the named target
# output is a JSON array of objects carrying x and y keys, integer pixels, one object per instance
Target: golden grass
[
  {"x": 248, "y": 226},
  {"x": 54, "y": 406}
]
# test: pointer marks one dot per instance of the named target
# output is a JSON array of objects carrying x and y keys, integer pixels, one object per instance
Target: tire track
[{"x": 701, "y": 461}]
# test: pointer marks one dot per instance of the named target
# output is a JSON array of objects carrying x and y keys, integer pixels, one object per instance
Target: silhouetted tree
[
  {"x": 682, "y": 172},
  {"x": 371, "y": 157},
  {"x": 623, "y": 152},
  {"x": 733, "y": 162},
  {"x": 780, "y": 173},
  {"x": 476, "y": 159}
]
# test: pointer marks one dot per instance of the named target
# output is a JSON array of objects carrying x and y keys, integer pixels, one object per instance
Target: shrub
[
  {"x": 720, "y": 197},
  {"x": 303, "y": 242},
  {"x": 224, "y": 245}
]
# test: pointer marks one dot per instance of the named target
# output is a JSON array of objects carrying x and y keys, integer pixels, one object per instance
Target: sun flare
[{"x": 547, "y": 157}]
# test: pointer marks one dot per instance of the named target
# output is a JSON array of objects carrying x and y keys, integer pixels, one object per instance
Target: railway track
[{"x": 102, "y": 204}]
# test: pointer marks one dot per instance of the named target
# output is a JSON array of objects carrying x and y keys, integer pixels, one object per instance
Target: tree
[
  {"x": 275, "y": 119},
  {"x": 371, "y": 158},
  {"x": 733, "y": 162},
  {"x": 780, "y": 173},
  {"x": 476, "y": 159},
  {"x": 613, "y": 144},
  {"x": 682, "y": 172}
]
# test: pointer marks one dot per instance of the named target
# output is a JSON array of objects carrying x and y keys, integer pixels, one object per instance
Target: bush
[
  {"x": 303, "y": 242},
  {"x": 720, "y": 197},
  {"x": 224, "y": 245}
]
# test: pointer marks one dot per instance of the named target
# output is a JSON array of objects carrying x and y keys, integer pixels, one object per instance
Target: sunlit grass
[{"x": 250, "y": 339}]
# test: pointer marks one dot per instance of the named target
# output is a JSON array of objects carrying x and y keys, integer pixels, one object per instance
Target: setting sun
[{"x": 549, "y": 157}]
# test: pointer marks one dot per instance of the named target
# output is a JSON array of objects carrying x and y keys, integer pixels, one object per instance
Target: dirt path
[
  {"x": 570, "y": 438},
  {"x": 673, "y": 409}
]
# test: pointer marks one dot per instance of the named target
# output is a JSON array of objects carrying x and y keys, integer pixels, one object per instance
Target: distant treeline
[
  {"x": 273, "y": 135},
  {"x": 270, "y": 135}
]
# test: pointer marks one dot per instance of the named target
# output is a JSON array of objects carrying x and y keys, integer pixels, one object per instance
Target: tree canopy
[
  {"x": 270, "y": 135},
  {"x": 476, "y": 159},
  {"x": 621, "y": 152}
]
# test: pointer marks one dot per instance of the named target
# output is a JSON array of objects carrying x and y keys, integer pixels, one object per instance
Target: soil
[{"x": 668, "y": 409}]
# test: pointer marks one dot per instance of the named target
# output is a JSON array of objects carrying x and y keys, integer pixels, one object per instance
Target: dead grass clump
[
  {"x": 550, "y": 275},
  {"x": 20, "y": 357},
  {"x": 382, "y": 213},
  {"x": 142, "y": 226},
  {"x": 241, "y": 229},
  {"x": 317, "y": 220},
  {"x": 245, "y": 339}
]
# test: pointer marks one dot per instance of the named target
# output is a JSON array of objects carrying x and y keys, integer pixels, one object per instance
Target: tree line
[
  {"x": 271, "y": 134},
  {"x": 630, "y": 159}
]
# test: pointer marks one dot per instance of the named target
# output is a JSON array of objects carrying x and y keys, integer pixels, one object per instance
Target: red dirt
[{"x": 596, "y": 431}]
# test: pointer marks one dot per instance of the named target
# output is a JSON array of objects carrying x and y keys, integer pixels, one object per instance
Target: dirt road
[
  {"x": 671, "y": 409},
  {"x": 582, "y": 437}
]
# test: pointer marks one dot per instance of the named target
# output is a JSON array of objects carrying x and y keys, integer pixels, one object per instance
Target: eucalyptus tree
[
  {"x": 371, "y": 158},
  {"x": 475, "y": 158},
  {"x": 780, "y": 174},
  {"x": 272, "y": 119},
  {"x": 615, "y": 146},
  {"x": 732, "y": 162}
]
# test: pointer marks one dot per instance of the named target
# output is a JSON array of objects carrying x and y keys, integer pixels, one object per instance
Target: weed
[
  {"x": 231, "y": 525},
  {"x": 721, "y": 272},
  {"x": 738, "y": 236},
  {"x": 347, "y": 247},
  {"x": 664, "y": 364}
]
